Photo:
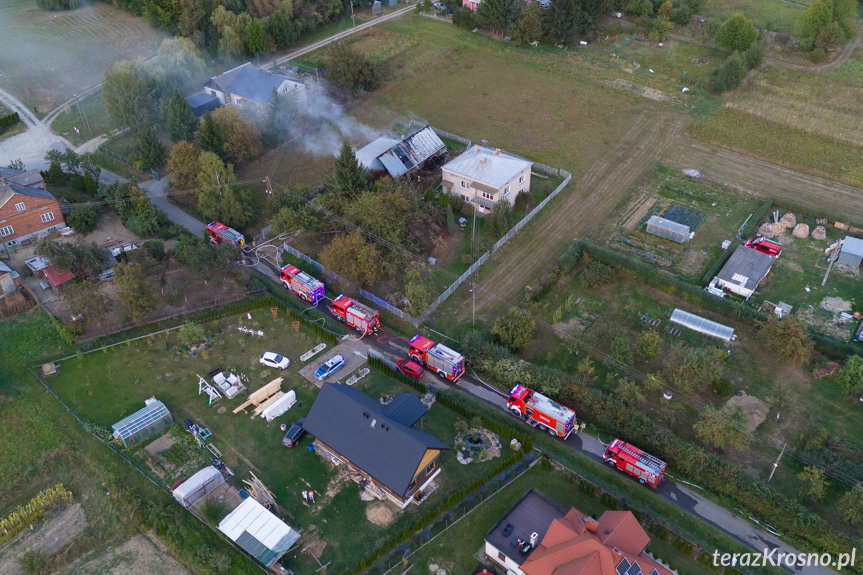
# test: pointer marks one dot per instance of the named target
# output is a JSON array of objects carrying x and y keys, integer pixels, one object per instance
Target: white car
[{"x": 271, "y": 359}]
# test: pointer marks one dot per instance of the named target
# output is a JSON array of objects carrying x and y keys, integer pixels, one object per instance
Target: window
[
  {"x": 430, "y": 467},
  {"x": 465, "y": 198},
  {"x": 506, "y": 191},
  {"x": 501, "y": 557},
  {"x": 464, "y": 185},
  {"x": 47, "y": 217},
  {"x": 488, "y": 196},
  {"x": 19, "y": 206},
  {"x": 6, "y": 231},
  {"x": 521, "y": 179},
  {"x": 237, "y": 100}
]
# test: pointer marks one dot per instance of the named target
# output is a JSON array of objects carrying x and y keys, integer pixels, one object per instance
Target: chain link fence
[{"x": 120, "y": 158}]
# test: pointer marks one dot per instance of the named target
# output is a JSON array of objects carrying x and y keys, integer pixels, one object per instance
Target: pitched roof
[
  {"x": 852, "y": 252},
  {"x": 746, "y": 267},
  {"x": 412, "y": 151},
  {"x": 258, "y": 531},
  {"x": 360, "y": 429},
  {"x": 251, "y": 83},
  {"x": 9, "y": 189},
  {"x": 21, "y": 177},
  {"x": 622, "y": 530},
  {"x": 368, "y": 155},
  {"x": 56, "y": 277},
  {"x": 405, "y": 409},
  {"x": 491, "y": 167},
  {"x": 201, "y": 99}
]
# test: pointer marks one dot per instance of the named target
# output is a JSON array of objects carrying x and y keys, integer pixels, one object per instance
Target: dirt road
[
  {"x": 761, "y": 179},
  {"x": 32, "y": 144},
  {"x": 581, "y": 208}
]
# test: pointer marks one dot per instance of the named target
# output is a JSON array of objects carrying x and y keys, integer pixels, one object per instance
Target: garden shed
[
  {"x": 143, "y": 423},
  {"x": 263, "y": 535},
  {"x": 668, "y": 230},
  {"x": 852, "y": 252},
  {"x": 198, "y": 486},
  {"x": 702, "y": 325}
]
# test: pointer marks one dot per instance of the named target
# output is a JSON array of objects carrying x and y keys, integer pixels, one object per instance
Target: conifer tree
[{"x": 182, "y": 122}]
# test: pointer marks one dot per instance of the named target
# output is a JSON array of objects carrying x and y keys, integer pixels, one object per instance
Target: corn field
[{"x": 27, "y": 514}]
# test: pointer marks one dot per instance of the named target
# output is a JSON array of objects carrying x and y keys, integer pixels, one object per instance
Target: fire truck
[
  {"x": 302, "y": 284},
  {"x": 765, "y": 246},
  {"x": 539, "y": 411},
  {"x": 219, "y": 233},
  {"x": 634, "y": 461},
  {"x": 353, "y": 313},
  {"x": 446, "y": 362}
]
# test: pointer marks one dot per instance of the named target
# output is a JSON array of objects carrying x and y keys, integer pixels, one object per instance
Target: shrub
[
  {"x": 525, "y": 201},
  {"x": 82, "y": 219},
  {"x": 730, "y": 74},
  {"x": 753, "y": 56},
  {"x": 723, "y": 387},
  {"x": 818, "y": 55},
  {"x": 464, "y": 18},
  {"x": 816, "y": 442}
]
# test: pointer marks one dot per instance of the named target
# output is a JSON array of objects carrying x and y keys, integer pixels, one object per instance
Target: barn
[
  {"x": 152, "y": 418},
  {"x": 668, "y": 230},
  {"x": 263, "y": 535}
]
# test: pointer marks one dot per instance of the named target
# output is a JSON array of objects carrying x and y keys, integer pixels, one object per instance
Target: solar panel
[
  {"x": 623, "y": 566},
  {"x": 634, "y": 569}
]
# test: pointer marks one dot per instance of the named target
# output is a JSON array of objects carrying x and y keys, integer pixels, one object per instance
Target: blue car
[{"x": 329, "y": 367}]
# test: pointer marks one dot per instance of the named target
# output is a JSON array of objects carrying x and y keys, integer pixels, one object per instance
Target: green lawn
[
  {"x": 772, "y": 15},
  {"x": 92, "y": 109}
]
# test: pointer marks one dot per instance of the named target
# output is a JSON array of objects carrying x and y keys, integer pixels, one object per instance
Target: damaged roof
[{"x": 398, "y": 157}]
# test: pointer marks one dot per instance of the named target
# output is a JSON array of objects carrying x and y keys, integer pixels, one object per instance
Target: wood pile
[
  {"x": 779, "y": 228},
  {"x": 789, "y": 219},
  {"x": 767, "y": 230},
  {"x": 801, "y": 231},
  {"x": 819, "y": 233}
]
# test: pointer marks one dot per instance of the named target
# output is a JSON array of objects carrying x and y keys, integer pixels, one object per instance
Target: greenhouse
[
  {"x": 143, "y": 423},
  {"x": 702, "y": 325},
  {"x": 258, "y": 532},
  {"x": 668, "y": 230},
  {"x": 198, "y": 486}
]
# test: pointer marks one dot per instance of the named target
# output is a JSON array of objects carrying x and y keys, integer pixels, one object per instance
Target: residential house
[
  {"x": 25, "y": 212},
  {"x": 250, "y": 86},
  {"x": 400, "y": 157},
  {"x": 26, "y": 178},
  {"x": 10, "y": 281},
  {"x": 744, "y": 270},
  {"x": 383, "y": 451},
  {"x": 484, "y": 177},
  {"x": 472, "y": 5},
  {"x": 537, "y": 536}
]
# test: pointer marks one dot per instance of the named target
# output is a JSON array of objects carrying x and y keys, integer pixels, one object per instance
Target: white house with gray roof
[
  {"x": 484, "y": 177},
  {"x": 248, "y": 85}
]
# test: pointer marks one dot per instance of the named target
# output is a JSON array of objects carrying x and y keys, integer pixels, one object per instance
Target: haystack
[
  {"x": 789, "y": 219},
  {"x": 819, "y": 233},
  {"x": 779, "y": 228},
  {"x": 801, "y": 231},
  {"x": 766, "y": 230}
]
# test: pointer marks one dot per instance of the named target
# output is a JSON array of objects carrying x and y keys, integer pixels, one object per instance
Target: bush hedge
[{"x": 8, "y": 121}]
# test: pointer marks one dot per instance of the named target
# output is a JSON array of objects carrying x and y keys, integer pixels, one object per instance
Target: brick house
[
  {"x": 25, "y": 212},
  {"x": 484, "y": 177},
  {"x": 382, "y": 450},
  {"x": 472, "y": 5}
]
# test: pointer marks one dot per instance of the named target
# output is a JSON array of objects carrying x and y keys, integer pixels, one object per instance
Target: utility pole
[
  {"x": 473, "y": 253},
  {"x": 352, "y": 14},
  {"x": 82, "y": 114},
  {"x": 776, "y": 464},
  {"x": 269, "y": 190}
]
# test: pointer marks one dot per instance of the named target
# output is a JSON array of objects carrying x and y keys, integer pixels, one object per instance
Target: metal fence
[
  {"x": 121, "y": 159},
  {"x": 390, "y": 364},
  {"x": 330, "y": 274}
]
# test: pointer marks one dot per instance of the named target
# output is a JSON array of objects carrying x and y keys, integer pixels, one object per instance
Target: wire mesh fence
[{"x": 121, "y": 159}]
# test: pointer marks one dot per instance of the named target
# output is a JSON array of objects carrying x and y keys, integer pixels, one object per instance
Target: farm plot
[{"x": 46, "y": 57}]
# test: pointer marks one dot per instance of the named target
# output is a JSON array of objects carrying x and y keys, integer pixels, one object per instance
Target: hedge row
[
  {"x": 717, "y": 265},
  {"x": 8, "y": 121},
  {"x": 756, "y": 217}
]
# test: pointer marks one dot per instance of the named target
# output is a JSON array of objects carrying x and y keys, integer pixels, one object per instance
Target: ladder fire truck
[
  {"x": 634, "y": 461},
  {"x": 219, "y": 233},
  {"x": 353, "y": 313},
  {"x": 302, "y": 284},
  {"x": 539, "y": 411},
  {"x": 446, "y": 362}
]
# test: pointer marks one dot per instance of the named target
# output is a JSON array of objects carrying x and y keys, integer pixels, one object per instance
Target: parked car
[
  {"x": 329, "y": 367},
  {"x": 272, "y": 359},
  {"x": 292, "y": 437},
  {"x": 439, "y": 5},
  {"x": 410, "y": 368}
]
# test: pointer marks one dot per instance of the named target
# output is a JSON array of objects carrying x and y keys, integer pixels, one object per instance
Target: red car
[{"x": 410, "y": 368}]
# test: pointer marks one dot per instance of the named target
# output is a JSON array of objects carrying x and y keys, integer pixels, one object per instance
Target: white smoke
[{"x": 332, "y": 124}]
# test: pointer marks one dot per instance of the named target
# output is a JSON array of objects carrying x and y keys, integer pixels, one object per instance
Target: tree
[
  {"x": 184, "y": 165},
  {"x": 82, "y": 259},
  {"x": 133, "y": 91},
  {"x": 731, "y": 73},
  {"x": 830, "y": 37},
  {"x": 628, "y": 392},
  {"x": 500, "y": 220},
  {"x": 782, "y": 397},
  {"x": 152, "y": 150},
  {"x": 514, "y": 330},
  {"x": 210, "y": 137},
  {"x": 691, "y": 368},
  {"x": 136, "y": 295},
  {"x": 190, "y": 333},
  {"x": 219, "y": 198},
  {"x": 84, "y": 299},
  {"x": 16, "y": 164},
  {"x": 620, "y": 349},
  {"x": 241, "y": 138},
  {"x": 181, "y": 120},
  {"x": 719, "y": 430},
  {"x": 464, "y": 18},
  {"x": 203, "y": 257},
  {"x": 736, "y": 34},
  {"x": 851, "y": 505},
  {"x": 418, "y": 288},
  {"x": 256, "y": 37},
  {"x": 82, "y": 219},
  {"x": 845, "y": 14},
  {"x": 72, "y": 161},
  {"x": 659, "y": 29},
  {"x": 90, "y": 186},
  {"x": 649, "y": 343},
  {"x": 566, "y": 18},
  {"x": 788, "y": 337},
  {"x": 850, "y": 377},
  {"x": 528, "y": 26},
  {"x": 814, "y": 484},
  {"x": 281, "y": 29},
  {"x": 88, "y": 164},
  {"x": 263, "y": 8},
  {"x": 181, "y": 61},
  {"x": 494, "y": 15},
  {"x": 384, "y": 213},
  {"x": 352, "y": 257},
  {"x": 350, "y": 70},
  {"x": 231, "y": 28},
  {"x": 814, "y": 19},
  {"x": 55, "y": 174},
  {"x": 349, "y": 180}
]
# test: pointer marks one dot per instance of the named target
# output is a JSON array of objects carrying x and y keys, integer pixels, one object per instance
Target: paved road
[
  {"x": 156, "y": 191},
  {"x": 32, "y": 145}
]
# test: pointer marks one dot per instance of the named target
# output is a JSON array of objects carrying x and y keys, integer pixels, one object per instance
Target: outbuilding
[
  {"x": 260, "y": 533},
  {"x": 702, "y": 325},
  {"x": 203, "y": 102},
  {"x": 152, "y": 418},
  {"x": 668, "y": 229},
  {"x": 852, "y": 252},
  {"x": 744, "y": 270}
]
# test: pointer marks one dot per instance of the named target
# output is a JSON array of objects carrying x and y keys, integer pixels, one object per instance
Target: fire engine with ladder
[
  {"x": 365, "y": 319},
  {"x": 302, "y": 284},
  {"x": 539, "y": 411},
  {"x": 647, "y": 468},
  {"x": 219, "y": 233},
  {"x": 446, "y": 362}
]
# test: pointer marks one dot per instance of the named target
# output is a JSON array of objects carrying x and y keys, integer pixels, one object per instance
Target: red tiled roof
[
  {"x": 58, "y": 278},
  {"x": 626, "y": 533}
]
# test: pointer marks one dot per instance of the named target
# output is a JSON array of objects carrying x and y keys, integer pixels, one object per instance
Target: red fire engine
[
  {"x": 634, "y": 461},
  {"x": 219, "y": 233},
  {"x": 302, "y": 284},
  {"x": 539, "y": 411},
  {"x": 765, "y": 246},
  {"x": 355, "y": 314},
  {"x": 446, "y": 362}
]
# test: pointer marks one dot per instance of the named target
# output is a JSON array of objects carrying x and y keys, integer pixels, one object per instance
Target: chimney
[
  {"x": 497, "y": 151},
  {"x": 482, "y": 163},
  {"x": 533, "y": 537},
  {"x": 591, "y": 524}
]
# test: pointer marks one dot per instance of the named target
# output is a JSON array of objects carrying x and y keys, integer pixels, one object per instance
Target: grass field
[
  {"x": 772, "y": 15},
  {"x": 48, "y": 56},
  {"x": 92, "y": 108}
]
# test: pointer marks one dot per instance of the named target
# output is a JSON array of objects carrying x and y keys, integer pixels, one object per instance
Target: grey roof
[
  {"x": 746, "y": 267},
  {"x": 4, "y": 268},
  {"x": 359, "y": 429},
  {"x": 223, "y": 82},
  {"x": 251, "y": 83},
  {"x": 367, "y": 156},
  {"x": 533, "y": 513},
  {"x": 405, "y": 409},
  {"x": 202, "y": 99},
  {"x": 852, "y": 252},
  {"x": 21, "y": 177},
  {"x": 399, "y": 157},
  {"x": 497, "y": 169},
  {"x": 8, "y": 190}
]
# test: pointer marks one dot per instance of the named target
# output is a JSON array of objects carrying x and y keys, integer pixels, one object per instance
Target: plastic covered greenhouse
[
  {"x": 702, "y": 325},
  {"x": 143, "y": 423},
  {"x": 668, "y": 230}
]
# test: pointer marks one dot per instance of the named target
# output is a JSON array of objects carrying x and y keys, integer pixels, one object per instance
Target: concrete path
[{"x": 156, "y": 191}]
